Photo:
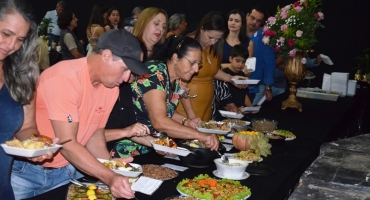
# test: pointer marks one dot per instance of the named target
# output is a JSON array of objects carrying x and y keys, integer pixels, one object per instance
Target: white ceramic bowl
[{"x": 227, "y": 170}]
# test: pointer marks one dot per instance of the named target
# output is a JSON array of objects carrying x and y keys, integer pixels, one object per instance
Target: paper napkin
[{"x": 146, "y": 185}]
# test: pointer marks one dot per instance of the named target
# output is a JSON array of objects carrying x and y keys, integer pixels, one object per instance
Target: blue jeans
[{"x": 29, "y": 180}]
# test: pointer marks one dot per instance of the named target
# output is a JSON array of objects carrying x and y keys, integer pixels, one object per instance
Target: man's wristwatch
[{"x": 268, "y": 87}]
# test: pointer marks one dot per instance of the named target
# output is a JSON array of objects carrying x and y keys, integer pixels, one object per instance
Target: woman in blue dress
[{"x": 18, "y": 77}]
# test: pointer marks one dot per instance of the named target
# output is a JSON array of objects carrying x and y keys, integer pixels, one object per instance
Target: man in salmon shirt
[{"x": 74, "y": 100}]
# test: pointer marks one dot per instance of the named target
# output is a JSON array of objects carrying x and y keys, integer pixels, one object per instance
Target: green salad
[{"x": 205, "y": 187}]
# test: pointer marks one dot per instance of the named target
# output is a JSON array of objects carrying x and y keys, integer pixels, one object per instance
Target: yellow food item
[
  {"x": 90, "y": 192},
  {"x": 34, "y": 145},
  {"x": 92, "y": 187},
  {"x": 251, "y": 133},
  {"x": 92, "y": 197},
  {"x": 15, "y": 143}
]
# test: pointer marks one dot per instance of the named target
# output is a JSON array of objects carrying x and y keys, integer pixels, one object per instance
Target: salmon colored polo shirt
[{"x": 65, "y": 89}]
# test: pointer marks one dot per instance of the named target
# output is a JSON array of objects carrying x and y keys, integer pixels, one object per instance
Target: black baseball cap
[{"x": 126, "y": 46}]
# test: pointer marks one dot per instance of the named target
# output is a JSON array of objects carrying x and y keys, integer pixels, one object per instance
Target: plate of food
[
  {"x": 214, "y": 127},
  {"x": 37, "y": 145},
  {"x": 159, "y": 172},
  {"x": 180, "y": 197},
  {"x": 237, "y": 122},
  {"x": 248, "y": 156},
  {"x": 167, "y": 145},
  {"x": 205, "y": 187},
  {"x": 250, "y": 109},
  {"x": 89, "y": 191},
  {"x": 287, "y": 134},
  {"x": 123, "y": 168},
  {"x": 245, "y": 81},
  {"x": 229, "y": 114}
]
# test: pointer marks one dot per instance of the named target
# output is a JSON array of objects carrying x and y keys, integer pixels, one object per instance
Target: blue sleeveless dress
[{"x": 11, "y": 120}]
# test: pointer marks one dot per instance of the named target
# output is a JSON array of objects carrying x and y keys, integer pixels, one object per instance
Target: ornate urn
[{"x": 295, "y": 71}]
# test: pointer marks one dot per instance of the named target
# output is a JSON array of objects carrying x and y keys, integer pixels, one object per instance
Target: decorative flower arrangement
[
  {"x": 293, "y": 27},
  {"x": 44, "y": 27}
]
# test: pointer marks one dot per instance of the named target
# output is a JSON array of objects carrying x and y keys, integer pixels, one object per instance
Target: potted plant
[
  {"x": 291, "y": 33},
  {"x": 44, "y": 27}
]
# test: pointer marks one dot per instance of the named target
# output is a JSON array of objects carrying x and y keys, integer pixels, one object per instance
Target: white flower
[
  {"x": 266, "y": 39},
  {"x": 304, "y": 61}
]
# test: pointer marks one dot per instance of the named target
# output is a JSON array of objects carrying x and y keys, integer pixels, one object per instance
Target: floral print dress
[{"x": 158, "y": 79}]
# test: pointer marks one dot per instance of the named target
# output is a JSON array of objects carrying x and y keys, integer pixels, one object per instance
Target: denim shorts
[{"x": 29, "y": 180}]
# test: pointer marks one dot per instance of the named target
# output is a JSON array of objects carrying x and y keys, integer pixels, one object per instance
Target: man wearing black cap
[{"x": 74, "y": 99}]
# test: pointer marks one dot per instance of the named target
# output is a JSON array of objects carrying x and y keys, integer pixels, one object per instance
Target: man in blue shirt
[
  {"x": 54, "y": 30},
  {"x": 265, "y": 57}
]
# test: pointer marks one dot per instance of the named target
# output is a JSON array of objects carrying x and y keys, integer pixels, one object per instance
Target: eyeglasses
[
  {"x": 257, "y": 20},
  {"x": 194, "y": 62}
]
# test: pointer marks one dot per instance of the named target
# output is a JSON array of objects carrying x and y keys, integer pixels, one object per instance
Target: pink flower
[
  {"x": 299, "y": 33},
  {"x": 291, "y": 42},
  {"x": 269, "y": 33},
  {"x": 265, "y": 28},
  {"x": 321, "y": 15},
  {"x": 266, "y": 39},
  {"x": 286, "y": 8},
  {"x": 283, "y": 27},
  {"x": 277, "y": 49},
  {"x": 298, "y": 9},
  {"x": 296, "y": 4},
  {"x": 281, "y": 40},
  {"x": 292, "y": 53},
  {"x": 283, "y": 15},
  {"x": 272, "y": 20},
  {"x": 316, "y": 16}
]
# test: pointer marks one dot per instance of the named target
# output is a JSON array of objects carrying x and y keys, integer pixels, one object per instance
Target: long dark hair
[
  {"x": 212, "y": 21},
  {"x": 175, "y": 45},
  {"x": 21, "y": 71},
  {"x": 108, "y": 23},
  {"x": 242, "y": 34},
  {"x": 96, "y": 16}
]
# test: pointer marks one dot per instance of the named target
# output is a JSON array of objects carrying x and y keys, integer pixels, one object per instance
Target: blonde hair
[{"x": 144, "y": 19}]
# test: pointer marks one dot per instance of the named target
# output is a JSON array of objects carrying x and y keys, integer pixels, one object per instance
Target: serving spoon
[{"x": 224, "y": 159}]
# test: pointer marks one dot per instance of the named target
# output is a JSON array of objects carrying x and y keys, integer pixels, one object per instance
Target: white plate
[
  {"x": 250, "y": 109},
  {"x": 229, "y": 114},
  {"x": 207, "y": 130},
  {"x": 309, "y": 77},
  {"x": 244, "y": 82},
  {"x": 245, "y": 176},
  {"x": 178, "y": 151},
  {"x": 289, "y": 139},
  {"x": 29, "y": 153},
  {"x": 124, "y": 172},
  {"x": 183, "y": 194}
]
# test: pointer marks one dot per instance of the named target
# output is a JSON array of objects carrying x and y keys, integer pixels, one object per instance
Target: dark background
[{"x": 346, "y": 35}]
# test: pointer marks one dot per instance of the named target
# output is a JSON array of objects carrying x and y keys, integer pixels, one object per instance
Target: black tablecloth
[{"x": 313, "y": 126}]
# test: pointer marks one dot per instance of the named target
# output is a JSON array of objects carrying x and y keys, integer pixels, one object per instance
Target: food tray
[
  {"x": 29, "y": 153},
  {"x": 75, "y": 193},
  {"x": 309, "y": 93},
  {"x": 124, "y": 172},
  {"x": 178, "y": 151}
]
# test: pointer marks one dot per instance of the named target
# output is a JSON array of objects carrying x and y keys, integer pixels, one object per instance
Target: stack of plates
[
  {"x": 339, "y": 82},
  {"x": 326, "y": 82}
]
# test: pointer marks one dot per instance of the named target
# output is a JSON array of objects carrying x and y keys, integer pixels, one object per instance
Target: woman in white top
[
  {"x": 113, "y": 20},
  {"x": 95, "y": 28}
]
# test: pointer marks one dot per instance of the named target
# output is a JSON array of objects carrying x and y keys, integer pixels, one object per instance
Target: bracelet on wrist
[
  {"x": 267, "y": 88},
  {"x": 184, "y": 121}
]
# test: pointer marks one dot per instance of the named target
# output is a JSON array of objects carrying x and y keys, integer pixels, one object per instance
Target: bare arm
[
  {"x": 29, "y": 126},
  {"x": 251, "y": 48},
  {"x": 136, "y": 129},
  {"x": 155, "y": 101},
  {"x": 84, "y": 160},
  {"x": 75, "y": 53}
]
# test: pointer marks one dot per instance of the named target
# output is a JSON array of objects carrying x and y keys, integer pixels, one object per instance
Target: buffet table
[
  {"x": 316, "y": 124},
  {"x": 342, "y": 171}
]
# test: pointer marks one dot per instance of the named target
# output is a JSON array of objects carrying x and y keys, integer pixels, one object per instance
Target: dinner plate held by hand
[
  {"x": 207, "y": 130},
  {"x": 177, "y": 151},
  {"x": 229, "y": 114},
  {"x": 245, "y": 82},
  {"x": 29, "y": 153},
  {"x": 125, "y": 172}
]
